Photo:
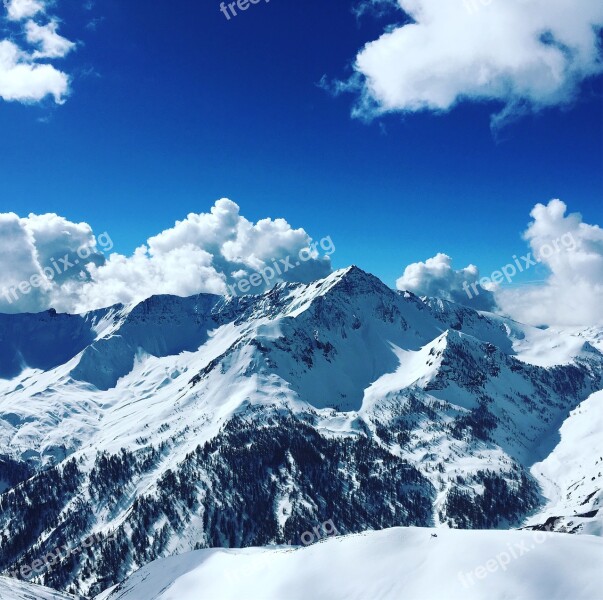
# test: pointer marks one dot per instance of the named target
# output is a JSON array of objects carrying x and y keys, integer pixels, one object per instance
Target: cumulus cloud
[
  {"x": 50, "y": 43},
  {"x": 57, "y": 237},
  {"x": 18, "y": 10},
  {"x": 23, "y": 80},
  {"x": 22, "y": 77},
  {"x": 35, "y": 250},
  {"x": 205, "y": 252},
  {"x": 436, "y": 278},
  {"x": 573, "y": 292},
  {"x": 525, "y": 54},
  {"x": 18, "y": 251}
]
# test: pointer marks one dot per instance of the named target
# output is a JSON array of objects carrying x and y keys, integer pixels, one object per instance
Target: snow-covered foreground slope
[
  {"x": 392, "y": 564},
  {"x": 571, "y": 477},
  {"x": 186, "y": 423},
  {"x": 12, "y": 589}
]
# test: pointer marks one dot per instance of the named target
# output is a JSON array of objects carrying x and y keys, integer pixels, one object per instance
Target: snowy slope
[
  {"x": 388, "y": 565},
  {"x": 12, "y": 589},
  {"x": 329, "y": 343},
  {"x": 547, "y": 347},
  {"x": 183, "y": 423},
  {"x": 571, "y": 477}
]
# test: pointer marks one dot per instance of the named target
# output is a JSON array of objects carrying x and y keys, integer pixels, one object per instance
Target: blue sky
[{"x": 172, "y": 107}]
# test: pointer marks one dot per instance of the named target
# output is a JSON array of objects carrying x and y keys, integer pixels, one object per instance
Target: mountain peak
[
  {"x": 357, "y": 280},
  {"x": 354, "y": 271}
]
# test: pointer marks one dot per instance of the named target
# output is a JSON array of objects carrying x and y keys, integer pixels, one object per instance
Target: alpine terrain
[{"x": 217, "y": 424}]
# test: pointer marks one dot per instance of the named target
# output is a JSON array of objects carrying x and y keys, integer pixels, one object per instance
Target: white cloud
[
  {"x": 22, "y": 77},
  {"x": 526, "y": 54},
  {"x": 573, "y": 292},
  {"x": 33, "y": 250},
  {"x": 18, "y": 251},
  {"x": 26, "y": 81},
  {"x": 203, "y": 253},
  {"x": 18, "y": 10},
  {"x": 56, "y": 237},
  {"x": 50, "y": 43},
  {"x": 435, "y": 277}
]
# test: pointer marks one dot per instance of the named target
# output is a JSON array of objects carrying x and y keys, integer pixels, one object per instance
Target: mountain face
[{"x": 137, "y": 432}]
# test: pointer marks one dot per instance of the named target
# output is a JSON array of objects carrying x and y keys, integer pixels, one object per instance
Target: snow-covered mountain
[{"x": 186, "y": 423}]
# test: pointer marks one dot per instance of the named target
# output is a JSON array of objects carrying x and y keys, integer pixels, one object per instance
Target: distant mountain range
[{"x": 179, "y": 424}]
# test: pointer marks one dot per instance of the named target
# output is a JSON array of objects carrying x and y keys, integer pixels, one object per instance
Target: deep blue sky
[{"x": 173, "y": 107}]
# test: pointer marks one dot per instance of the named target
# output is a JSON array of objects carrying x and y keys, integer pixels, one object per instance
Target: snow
[
  {"x": 12, "y": 589},
  {"x": 571, "y": 477},
  {"x": 547, "y": 347},
  {"x": 134, "y": 376},
  {"x": 414, "y": 368},
  {"x": 390, "y": 564},
  {"x": 344, "y": 355}
]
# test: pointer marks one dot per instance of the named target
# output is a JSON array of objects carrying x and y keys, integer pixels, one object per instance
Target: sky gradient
[{"x": 175, "y": 107}]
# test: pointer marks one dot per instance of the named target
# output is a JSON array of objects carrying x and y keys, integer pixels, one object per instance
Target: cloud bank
[
  {"x": 208, "y": 252},
  {"x": 436, "y": 277},
  {"x": 525, "y": 54},
  {"x": 571, "y": 295},
  {"x": 205, "y": 252},
  {"x": 573, "y": 292},
  {"x": 22, "y": 77}
]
